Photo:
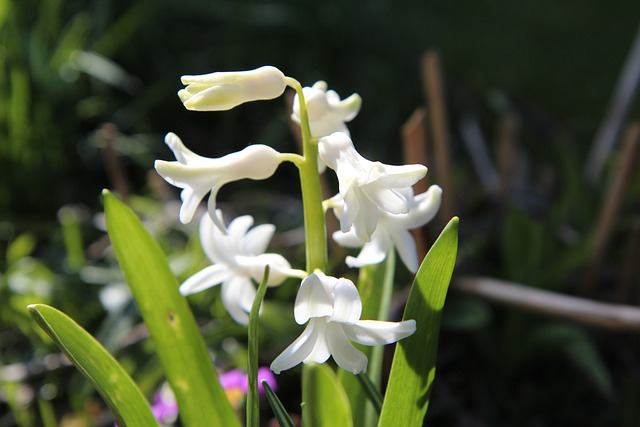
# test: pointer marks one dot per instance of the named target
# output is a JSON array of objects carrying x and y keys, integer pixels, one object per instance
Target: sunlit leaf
[
  {"x": 128, "y": 405},
  {"x": 414, "y": 363},
  {"x": 171, "y": 324}
]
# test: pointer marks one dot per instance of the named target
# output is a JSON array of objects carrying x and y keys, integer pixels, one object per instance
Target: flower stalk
[{"x": 314, "y": 223}]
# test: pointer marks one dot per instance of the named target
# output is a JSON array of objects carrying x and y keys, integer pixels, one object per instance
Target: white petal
[
  {"x": 374, "y": 332},
  {"x": 347, "y": 306},
  {"x": 386, "y": 199},
  {"x": 211, "y": 238},
  {"x": 424, "y": 208},
  {"x": 312, "y": 300},
  {"x": 347, "y": 240},
  {"x": 182, "y": 153},
  {"x": 404, "y": 175},
  {"x": 344, "y": 353},
  {"x": 204, "y": 279},
  {"x": 237, "y": 297},
  {"x": 190, "y": 202},
  {"x": 373, "y": 252},
  {"x": 257, "y": 239},
  {"x": 237, "y": 230},
  {"x": 406, "y": 247},
  {"x": 297, "y": 351},
  {"x": 321, "y": 350}
]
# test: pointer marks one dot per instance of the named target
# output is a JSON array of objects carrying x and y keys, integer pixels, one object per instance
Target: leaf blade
[
  {"x": 413, "y": 368},
  {"x": 124, "y": 398},
  {"x": 171, "y": 324}
]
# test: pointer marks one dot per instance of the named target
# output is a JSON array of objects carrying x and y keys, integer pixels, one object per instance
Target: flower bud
[{"x": 224, "y": 90}]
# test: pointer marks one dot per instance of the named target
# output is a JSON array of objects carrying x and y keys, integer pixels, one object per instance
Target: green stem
[
  {"x": 314, "y": 224},
  {"x": 253, "y": 402}
]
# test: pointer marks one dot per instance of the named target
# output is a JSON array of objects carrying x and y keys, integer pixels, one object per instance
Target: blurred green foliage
[{"x": 69, "y": 66}]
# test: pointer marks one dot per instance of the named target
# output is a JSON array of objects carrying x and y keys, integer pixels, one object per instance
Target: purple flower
[{"x": 236, "y": 379}]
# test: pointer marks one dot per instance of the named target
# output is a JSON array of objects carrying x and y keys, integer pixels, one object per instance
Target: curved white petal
[
  {"x": 373, "y": 252},
  {"x": 344, "y": 353},
  {"x": 374, "y": 332},
  {"x": 182, "y": 153},
  {"x": 257, "y": 239},
  {"x": 297, "y": 351},
  {"x": 406, "y": 247},
  {"x": 313, "y": 299},
  {"x": 385, "y": 198},
  {"x": 347, "y": 306},
  {"x": 321, "y": 350},
  {"x": 423, "y": 209},
  {"x": 205, "y": 279},
  {"x": 279, "y": 268},
  {"x": 211, "y": 238},
  {"x": 347, "y": 240},
  {"x": 190, "y": 202},
  {"x": 237, "y": 295}
]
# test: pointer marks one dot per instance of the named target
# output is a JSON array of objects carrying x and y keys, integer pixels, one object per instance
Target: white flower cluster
[{"x": 375, "y": 205}]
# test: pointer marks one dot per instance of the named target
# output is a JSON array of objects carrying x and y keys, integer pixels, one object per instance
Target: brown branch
[
  {"x": 434, "y": 93},
  {"x": 609, "y": 316},
  {"x": 414, "y": 144},
  {"x": 627, "y": 163}
]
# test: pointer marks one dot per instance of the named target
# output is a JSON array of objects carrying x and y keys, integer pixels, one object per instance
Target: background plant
[{"x": 524, "y": 53}]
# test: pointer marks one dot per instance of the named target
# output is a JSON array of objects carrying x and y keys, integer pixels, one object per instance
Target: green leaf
[
  {"x": 325, "y": 401},
  {"x": 253, "y": 399},
  {"x": 171, "y": 324},
  {"x": 375, "y": 285},
  {"x": 279, "y": 411},
  {"x": 414, "y": 363},
  {"x": 128, "y": 405}
]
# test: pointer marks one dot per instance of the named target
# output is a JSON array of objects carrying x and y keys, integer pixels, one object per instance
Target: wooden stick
[
  {"x": 627, "y": 163},
  {"x": 610, "y": 316},
  {"x": 108, "y": 134},
  {"x": 433, "y": 84},
  {"x": 414, "y": 144},
  {"x": 630, "y": 270},
  {"x": 619, "y": 106},
  {"x": 507, "y": 152}
]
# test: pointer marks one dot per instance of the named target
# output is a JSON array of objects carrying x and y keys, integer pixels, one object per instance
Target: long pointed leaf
[
  {"x": 171, "y": 324},
  {"x": 128, "y": 405},
  {"x": 414, "y": 363},
  {"x": 277, "y": 407}
]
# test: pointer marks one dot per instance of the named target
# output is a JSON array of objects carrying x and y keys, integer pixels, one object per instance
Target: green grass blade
[
  {"x": 278, "y": 409},
  {"x": 128, "y": 405},
  {"x": 171, "y": 324},
  {"x": 253, "y": 399},
  {"x": 371, "y": 390},
  {"x": 325, "y": 401},
  {"x": 414, "y": 363}
]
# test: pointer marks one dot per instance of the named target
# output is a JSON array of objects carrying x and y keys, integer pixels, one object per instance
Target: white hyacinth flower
[
  {"x": 333, "y": 307},
  {"x": 327, "y": 113},
  {"x": 392, "y": 230},
  {"x": 225, "y": 90},
  {"x": 198, "y": 175},
  {"x": 367, "y": 188},
  {"x": 238, "y": 258}
]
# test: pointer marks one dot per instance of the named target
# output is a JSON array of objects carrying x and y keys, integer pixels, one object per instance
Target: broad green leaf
[
  {"x": 171, "y": 324},
  {"x": 325, "y": 402},
  {"x": 414, "y": 363},
  {"x": 128, "y": 405},
  {"x": 375, "y": 285}
]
